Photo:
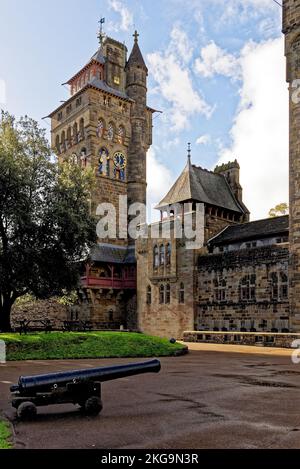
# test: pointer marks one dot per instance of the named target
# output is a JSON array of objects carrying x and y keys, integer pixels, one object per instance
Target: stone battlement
[{"x": 226, "y": 166}]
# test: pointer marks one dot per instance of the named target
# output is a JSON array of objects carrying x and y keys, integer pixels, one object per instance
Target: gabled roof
[
  {"x": 113, "y": 254},
  {"x": 200, "y": 185},
  {"x": 252, "y": 230}
]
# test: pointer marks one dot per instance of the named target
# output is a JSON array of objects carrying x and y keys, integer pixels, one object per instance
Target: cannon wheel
[
  {"x": 93, "y": 405},
  {"x": 27, "y": 410}
]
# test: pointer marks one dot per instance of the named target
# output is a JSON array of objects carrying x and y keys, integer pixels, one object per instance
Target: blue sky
[{"x": 216, "y": 70}]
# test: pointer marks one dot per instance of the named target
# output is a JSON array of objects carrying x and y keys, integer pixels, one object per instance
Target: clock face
[{"x": 120, "y": 160}]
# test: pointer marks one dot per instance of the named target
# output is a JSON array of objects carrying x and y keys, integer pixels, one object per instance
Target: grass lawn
[
  {"x": 66, "y": 345},
  {"x": 5, "y": 435}
]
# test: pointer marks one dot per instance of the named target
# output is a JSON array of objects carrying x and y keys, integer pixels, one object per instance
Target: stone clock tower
[
  {"x": 106, "y": 125},
  {"x": 291, "y": 29}
]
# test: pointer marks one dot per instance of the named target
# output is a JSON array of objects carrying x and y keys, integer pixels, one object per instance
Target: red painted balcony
[{"x": 109, "y": 283}]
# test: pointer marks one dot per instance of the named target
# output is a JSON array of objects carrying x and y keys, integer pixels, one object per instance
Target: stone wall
[
  {"x": 291, "y": 29},
  {"x": 262, "y": 311},
  {"x": 165, "y": 320},
  {"x": 241, "y": 338},
  {"x": 41, "y": 309}
]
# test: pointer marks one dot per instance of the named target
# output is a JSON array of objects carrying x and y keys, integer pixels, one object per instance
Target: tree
[
  {"x": 46, "y": 229},
  {"x": 279, "y": 210}
]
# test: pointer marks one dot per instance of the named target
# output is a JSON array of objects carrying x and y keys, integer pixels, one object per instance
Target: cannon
[{"x": 82, "y": 387}]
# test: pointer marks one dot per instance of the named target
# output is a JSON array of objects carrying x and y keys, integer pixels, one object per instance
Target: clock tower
[{"x": 106, "y": 125}]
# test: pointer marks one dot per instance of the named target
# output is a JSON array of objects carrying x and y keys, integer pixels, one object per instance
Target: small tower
[
  {"x": 141, "y": 124},
  {"x": 291, "y": 29}
]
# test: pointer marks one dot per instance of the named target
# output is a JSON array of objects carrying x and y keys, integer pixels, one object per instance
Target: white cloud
[
  {"x": 2, "y": 92},
  {"x": 203, "y": 140},
  {"x": 159, "y": 183},
  {"x": 174, "y": 83},
  {"x": 243, "y": 10},
  {"x": 126, "y": 20},
  {"x": 260, "y": 130},
  {"x": 214, "y": 60},
  {"x": 180, "y": 44}
]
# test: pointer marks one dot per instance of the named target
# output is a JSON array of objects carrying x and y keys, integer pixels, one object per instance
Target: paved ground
[{"x": 205, "y": 399}]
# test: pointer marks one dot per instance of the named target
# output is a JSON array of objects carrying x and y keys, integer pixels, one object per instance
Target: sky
[{"x": 216, "y": 71}]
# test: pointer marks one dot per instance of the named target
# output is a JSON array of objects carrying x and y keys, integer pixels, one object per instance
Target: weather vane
[{"x": 101, "y": 34}]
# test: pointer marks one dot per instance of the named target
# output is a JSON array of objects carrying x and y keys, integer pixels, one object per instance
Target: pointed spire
[{"x": 136, "y": 57}]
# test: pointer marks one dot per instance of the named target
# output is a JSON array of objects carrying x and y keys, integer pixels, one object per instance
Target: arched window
[
  {"x": 168, "y": 254},
  {"x": 69, "y": 137},
  {"x": 63, "y": 141},
  {"x": 161, "y": 254},
  {"x": 81, "y": 129},
  {"x": 57, "y": 144},
  {"x": 155, "y": 257},
  {"x": 110, "y": 132},
  {"x": 248, "y": 287},
  {"x": 220, "y": 289},
  {"x": 75, "y": 133},
  {"x": 168, "y": 294},
  {"x": 161, "y": 294},
  {"x": 100, "y": 128},
  {"x": 181, "y": 293},
  {"x": 121, "y": 135},
  {"x": 149, "y": 295}
]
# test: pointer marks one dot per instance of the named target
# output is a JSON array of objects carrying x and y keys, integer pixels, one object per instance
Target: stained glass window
[
  {"x": 100, "y": 128},
  {"x": 161, "y": 255},
  {"x": 168, "y": 254},
  {"x": 121, "y": 135},
  {"x": 110, "y": 132}
]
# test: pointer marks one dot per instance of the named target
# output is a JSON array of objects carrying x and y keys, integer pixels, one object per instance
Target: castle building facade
[
  {"x": 240, "y": 275},
  {"x": 106, "y": 126}
]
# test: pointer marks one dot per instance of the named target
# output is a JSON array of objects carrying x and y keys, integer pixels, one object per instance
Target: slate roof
[
  {"x": 101, "y": 85},
  {"x": 252, "y": 230},
  {"x": 136, "y": 57},
  {"x": 99, "y": 57},
  {"x": 113, "y": 254},
  {"x": 201, "y": 185}
]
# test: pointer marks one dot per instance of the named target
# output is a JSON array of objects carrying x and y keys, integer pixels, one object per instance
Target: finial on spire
[
  {"x": 189, "y": 153},
  {"x": 136, "y": 36},
  {"x": 101, "y": 34}
]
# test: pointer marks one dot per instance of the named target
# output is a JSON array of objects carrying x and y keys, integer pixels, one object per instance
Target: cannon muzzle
[{"x": 46, "y": 382}]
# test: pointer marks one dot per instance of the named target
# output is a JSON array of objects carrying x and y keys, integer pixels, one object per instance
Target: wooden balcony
[{"x": 111, "y": 283}]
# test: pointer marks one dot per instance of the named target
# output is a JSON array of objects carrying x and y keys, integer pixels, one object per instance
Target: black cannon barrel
[{"x": 107, "y": 373}]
